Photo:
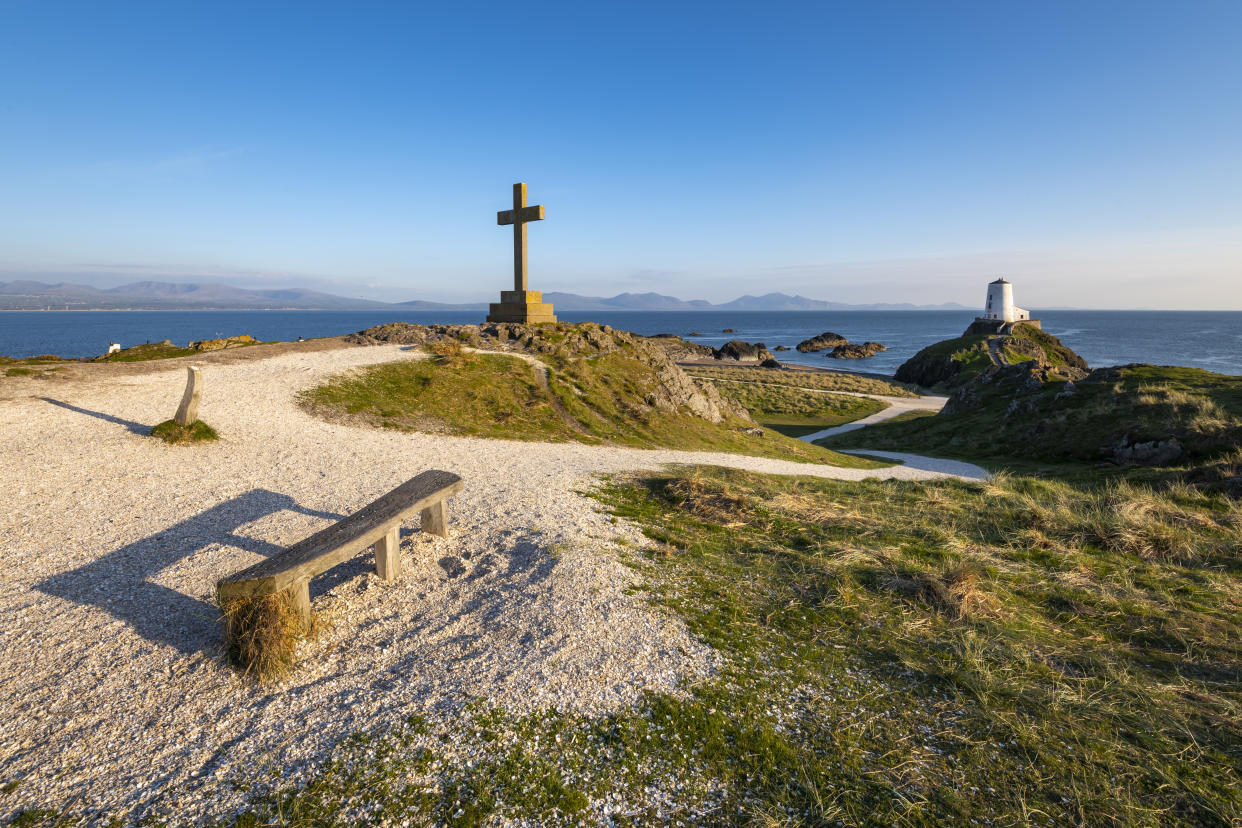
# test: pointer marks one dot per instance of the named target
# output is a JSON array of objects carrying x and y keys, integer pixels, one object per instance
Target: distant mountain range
[
  {"x": 27, "y": 295},
  {"x": 659, "y": 302},
  {"x": 30, "y": 295}
]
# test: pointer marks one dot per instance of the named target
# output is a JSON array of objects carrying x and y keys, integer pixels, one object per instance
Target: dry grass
[
  {"x": 263, "y": 632},
  {"x": 449, "y": 353}
]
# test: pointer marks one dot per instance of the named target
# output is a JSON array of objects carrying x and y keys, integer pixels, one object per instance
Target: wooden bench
[{"x": 377, "y": 524}]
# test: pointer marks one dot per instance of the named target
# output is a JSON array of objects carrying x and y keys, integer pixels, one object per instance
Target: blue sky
[{"x": 869, "y": 151}]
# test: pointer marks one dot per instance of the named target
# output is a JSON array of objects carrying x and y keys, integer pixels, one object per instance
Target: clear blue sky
[{"x": 869, "y": 151}]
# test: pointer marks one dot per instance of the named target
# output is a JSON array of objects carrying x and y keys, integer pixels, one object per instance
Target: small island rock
[
  {"x": 827, "y": 339},
  {"x": 736, "y": 349},
  {"x": 852, "y": 350}
]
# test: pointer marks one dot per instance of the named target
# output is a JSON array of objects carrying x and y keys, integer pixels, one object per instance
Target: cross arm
[{"x": 532, "y": 213}]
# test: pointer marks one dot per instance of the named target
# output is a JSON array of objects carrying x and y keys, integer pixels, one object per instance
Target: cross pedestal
[{"x": 525, "y": 307}]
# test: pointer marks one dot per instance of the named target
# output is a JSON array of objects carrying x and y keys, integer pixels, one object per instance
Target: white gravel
[{"x": 114, "y": 691}]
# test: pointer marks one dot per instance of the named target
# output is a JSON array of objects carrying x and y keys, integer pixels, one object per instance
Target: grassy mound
[
  {"x": 953, "y": 363},
  {"x": 1133, "y": 415},
  {"x": 170, "y": 431},
  {"x": 798, "y": 411},
  {"x": 610, "y": 396},
  {"x": 1013, "y": 653},
  {"x": 149, "y": 351}
]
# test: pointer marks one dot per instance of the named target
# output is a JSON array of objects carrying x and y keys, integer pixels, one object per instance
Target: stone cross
[{"x": 518, "y": 216}]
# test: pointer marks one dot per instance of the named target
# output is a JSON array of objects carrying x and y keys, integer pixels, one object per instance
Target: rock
[
  {"x": 695, "y": 333},
  {"x": 781, "y": 348},
  {"x": 770, "y": 363},
  {"x": 854, "y": 351},
  {"x": 221, "y": 344},
  {"x": 826, "y": 340},
  {"x": 754, "y": 432},
  {"x": 740, "y": 351},
  {"x": 1151, "y": 453},
  {"x": 728, "y": 330},
  {"x": 679, "y": 350}
]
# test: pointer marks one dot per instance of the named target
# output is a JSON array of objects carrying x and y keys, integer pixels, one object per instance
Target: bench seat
[{"x": 377, "y": 524}]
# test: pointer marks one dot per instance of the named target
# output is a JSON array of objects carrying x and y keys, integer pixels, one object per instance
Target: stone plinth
[{"x": 525, "y": 307}]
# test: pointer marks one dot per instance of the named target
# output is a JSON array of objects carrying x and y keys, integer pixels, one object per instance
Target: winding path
[{"x": 896, "y": 407}]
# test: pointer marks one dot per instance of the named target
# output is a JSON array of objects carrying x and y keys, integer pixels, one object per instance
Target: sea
[{"x": 1211, "y": 340}]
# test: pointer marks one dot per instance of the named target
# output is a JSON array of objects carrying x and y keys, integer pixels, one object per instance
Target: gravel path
[
  {"x": 896, "y": 407},
  {"x": 113, "y": 694}
]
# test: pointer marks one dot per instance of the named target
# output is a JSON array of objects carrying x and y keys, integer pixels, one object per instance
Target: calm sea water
[{"x": 1209, "y": 340}]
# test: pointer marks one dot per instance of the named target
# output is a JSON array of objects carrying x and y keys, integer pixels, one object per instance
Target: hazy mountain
[
  {"x": 624, "y": 301},
  {"x": 767, "y": 302},
  {"x": 29, "y": 295},
  {"x": 778, "y": 301},
  {"x": 423, "y": 305}
]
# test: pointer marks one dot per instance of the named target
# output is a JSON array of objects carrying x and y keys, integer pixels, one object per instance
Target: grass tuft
[
  {"x": 263, "y": 632},
  {"x": 450, "y": 353},
  {"x": 173, "y": 433}
]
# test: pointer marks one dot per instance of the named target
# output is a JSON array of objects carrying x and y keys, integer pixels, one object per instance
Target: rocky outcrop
[
  {"x": 671, "y": 388},
  {"x": 221, "y": 344},
  {"x": 1019, "y": 381},
  {"x": 931, "y": 367},
  {"x": 954, "y": 362},
  {"x": 740, "y": 351},
  {"x": 852, "y": 350},
  {"x": 679, "y": 350},
  {"x": 1150, "y": 453},
  {"x": 824, "y": 341}
]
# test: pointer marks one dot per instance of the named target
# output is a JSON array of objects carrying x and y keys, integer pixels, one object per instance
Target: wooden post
[
  {"x": 388, "y": 555},
  {"x": 187, "y": 412},
  {"x": 435, "y": 519},
  {"x": 301, "y": 600}
]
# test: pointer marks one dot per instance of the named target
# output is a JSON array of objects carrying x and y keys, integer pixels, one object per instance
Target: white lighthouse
[{"x": 1000, "y": 306}]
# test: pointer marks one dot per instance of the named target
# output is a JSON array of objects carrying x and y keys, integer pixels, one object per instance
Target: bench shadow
[
  {"x": 120, "y": 582},
  {"x": 136, "y": 428}
]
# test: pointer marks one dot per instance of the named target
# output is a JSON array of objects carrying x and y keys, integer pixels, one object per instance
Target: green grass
[
  {"x": 19, "y": 372},
  {"x": 950, "y": 363},
  {"x": 1007, "y": 425},
  {"x": 895, "y": 653},
  {"x": 172, "y": 432},
  {"x": 149, "y": 351},
  {"x": 797, "y": 411},
  {"x": 822, "y": 381},
  {"x": 907, "y": 416},
  {"x": 596, "y": 401}
]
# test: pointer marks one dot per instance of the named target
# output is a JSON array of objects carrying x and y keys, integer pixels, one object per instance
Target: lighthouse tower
[
  {"x": 1000, "y": 306},
  {"x": 1000, "y": 314}
]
